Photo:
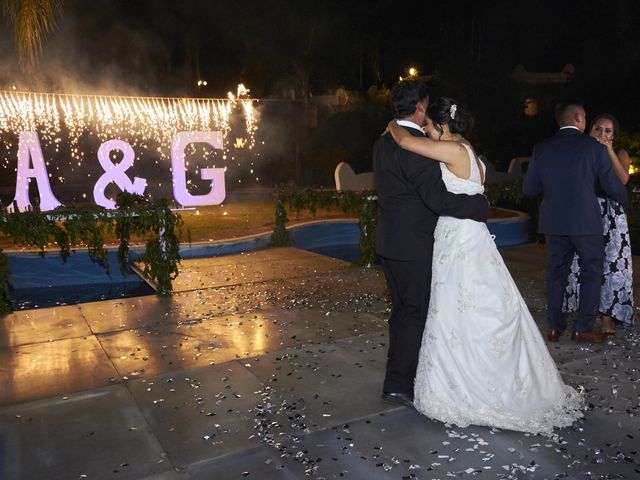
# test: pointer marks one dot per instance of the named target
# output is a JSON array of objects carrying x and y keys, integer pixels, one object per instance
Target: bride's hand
[{"x": 389, "y": 125}]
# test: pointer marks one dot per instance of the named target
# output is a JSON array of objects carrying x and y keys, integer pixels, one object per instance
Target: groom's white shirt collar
[
  {"x": 562, "y": 128},
  {"x": 407, "y": 123}
]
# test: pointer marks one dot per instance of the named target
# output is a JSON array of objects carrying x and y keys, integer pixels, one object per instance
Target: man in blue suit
[{"x": 568, "y": 169}]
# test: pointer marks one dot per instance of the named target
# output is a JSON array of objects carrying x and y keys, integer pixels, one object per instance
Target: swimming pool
[
  {"x": 47, "y": 281},
  {"x": 340, "y": 238}
]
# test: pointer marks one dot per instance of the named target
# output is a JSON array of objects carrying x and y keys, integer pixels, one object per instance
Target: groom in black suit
[
  {"x": 411, "y": 196},
  {"x": 567, "y": 169}
]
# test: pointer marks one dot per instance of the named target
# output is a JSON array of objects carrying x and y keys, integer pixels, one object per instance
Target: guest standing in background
[
  {"x": 616, "y": 295},
  {"x": 566, "y": 170}
]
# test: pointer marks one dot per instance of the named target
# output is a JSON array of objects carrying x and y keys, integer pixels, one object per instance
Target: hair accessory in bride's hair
[{"x": 452, "y": 111}]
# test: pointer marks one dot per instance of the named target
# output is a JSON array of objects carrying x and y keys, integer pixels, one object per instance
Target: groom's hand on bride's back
[
  {"x": 488, "y": 205},
  {"x": 484, "y": 200},
  {"x": 474, "y": 207}
]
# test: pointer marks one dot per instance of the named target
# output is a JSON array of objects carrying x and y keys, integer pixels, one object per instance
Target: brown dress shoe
[
  {"x": 553, "y": 335},
  {"x": 589, "y": 337},
  {"x": 608, "y": 326}
]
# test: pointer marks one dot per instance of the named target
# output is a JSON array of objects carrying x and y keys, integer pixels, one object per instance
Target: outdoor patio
[{"x": 269, "y": 365}]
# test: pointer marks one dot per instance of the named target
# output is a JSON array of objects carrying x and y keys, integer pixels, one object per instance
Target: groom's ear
[{"x": 421, "y": 107}]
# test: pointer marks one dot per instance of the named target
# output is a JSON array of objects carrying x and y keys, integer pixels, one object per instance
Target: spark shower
[{"x": 156, "y": 128}]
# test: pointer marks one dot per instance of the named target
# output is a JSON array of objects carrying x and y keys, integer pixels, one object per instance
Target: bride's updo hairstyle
[{"x": 446, "y": 111}]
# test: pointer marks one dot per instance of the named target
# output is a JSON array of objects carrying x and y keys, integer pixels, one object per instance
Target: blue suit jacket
[{"x": 568, "y": 169}]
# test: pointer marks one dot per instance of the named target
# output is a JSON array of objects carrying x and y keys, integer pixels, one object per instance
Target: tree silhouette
[{"x": 31, "y": 21}]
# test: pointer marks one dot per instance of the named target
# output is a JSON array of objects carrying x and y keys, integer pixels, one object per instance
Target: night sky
[
  {"x": 163, "y": 47},
  {"x": 467, "y": 48}
]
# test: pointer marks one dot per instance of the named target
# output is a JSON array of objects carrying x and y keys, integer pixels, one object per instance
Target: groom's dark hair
[{"x": 405, "y": 96}]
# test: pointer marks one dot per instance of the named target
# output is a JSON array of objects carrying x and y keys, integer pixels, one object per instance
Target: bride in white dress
[{"x": 483, "y": 360}]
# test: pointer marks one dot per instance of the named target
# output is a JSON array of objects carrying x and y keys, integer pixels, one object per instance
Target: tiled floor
[{"x": 269, "y": 365}]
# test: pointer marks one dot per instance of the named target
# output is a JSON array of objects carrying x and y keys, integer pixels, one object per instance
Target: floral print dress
[{"x": 616, "y": 295}]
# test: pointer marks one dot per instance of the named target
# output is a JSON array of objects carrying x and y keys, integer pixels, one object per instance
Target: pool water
[
  {"x": 337, "y": 239},
  {"x": 346, "y": 252},
  {"x": 52, "y": 296},
  {"x": 47, "y": 282}
]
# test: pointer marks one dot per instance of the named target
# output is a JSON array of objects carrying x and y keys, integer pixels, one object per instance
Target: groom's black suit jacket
[{"x": 411, "y": 196}]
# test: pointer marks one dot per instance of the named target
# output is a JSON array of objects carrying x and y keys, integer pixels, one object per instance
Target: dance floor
[{"x": 269, "y": 365}]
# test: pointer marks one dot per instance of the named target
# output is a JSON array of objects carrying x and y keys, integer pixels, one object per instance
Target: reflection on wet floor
[
  {"x": 53, "y": 368},
  {"x": 221, "y": 321},
  {"x": 258, "y": 266},
  {"x": 269, "y": 365}
]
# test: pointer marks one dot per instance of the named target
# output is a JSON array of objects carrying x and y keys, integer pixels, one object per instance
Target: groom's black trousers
[{"x": 409, "y": 284}]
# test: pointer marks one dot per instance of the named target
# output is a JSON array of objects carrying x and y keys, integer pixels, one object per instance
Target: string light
[
  {"x": 139, "y": 120},
  {"x": 70, "y": 128}
]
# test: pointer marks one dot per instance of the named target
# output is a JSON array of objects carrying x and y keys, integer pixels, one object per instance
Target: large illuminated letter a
[
  {"x": 29, "y": 150},
  {"x": 178, "y": 170}
]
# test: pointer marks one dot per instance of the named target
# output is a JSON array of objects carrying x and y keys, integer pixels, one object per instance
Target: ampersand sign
[{"x": 116, "y": 173}]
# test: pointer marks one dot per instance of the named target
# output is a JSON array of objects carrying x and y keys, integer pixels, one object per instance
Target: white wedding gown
[{"x": 483, "y": 360}]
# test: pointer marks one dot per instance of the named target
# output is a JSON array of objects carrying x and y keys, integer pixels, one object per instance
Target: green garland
[
  {"x": 71, "y": 226},
  {"x": 368, "y": 230},
  {"x": 509, "y": 192},
  {"x": 162, "y": 251},
  {"x": 280, "y": 236},
  {"x": 128, "y": 206},
  {"x": 361, "y": 204},
  {"x": 85, "y": 225}
]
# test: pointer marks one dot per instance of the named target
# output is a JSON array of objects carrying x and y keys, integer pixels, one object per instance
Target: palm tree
[{"x": 31, "y": 21}]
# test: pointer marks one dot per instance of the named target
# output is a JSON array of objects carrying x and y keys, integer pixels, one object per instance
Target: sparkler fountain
[{"x": 141, "y": 128}]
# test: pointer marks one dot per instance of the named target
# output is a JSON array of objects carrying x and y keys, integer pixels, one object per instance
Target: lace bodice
[{"x": 472, "y": 185}]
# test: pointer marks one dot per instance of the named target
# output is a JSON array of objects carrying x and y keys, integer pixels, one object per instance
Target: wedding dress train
[{"x": 483, "y": 360}]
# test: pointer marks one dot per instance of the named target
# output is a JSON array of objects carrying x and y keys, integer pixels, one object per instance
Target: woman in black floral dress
[{"x": 616, "y": 296}]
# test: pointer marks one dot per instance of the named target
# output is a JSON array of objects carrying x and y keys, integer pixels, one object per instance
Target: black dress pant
[
  {"x": 560, "y": 251},
  {"x": 409, "y": 284}
]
